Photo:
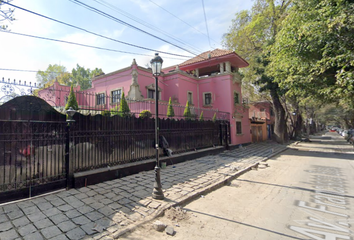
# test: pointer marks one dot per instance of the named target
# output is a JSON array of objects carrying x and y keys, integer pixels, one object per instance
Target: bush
[
  {"x": 72, "y": 100},
  {"x": 145, "y": 113},
  {"x": 124, "y": 110},
  {"x": 201, "y": 118},
  {"x": 170, "y": 111},
  {"x": 187, "y": 112},
  {"x": 214, "y": 118},
  {"x": 106, "y": 113}
]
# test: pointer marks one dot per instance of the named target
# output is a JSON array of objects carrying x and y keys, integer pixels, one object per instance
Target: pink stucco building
[{"x": 208, "y": 81}]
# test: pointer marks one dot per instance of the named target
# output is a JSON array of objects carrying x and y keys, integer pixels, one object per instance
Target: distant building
[
  {"x": 262, "y": 120},
  {"x": 208, "y": 81}
]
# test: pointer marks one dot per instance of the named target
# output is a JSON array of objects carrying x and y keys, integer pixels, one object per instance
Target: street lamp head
[
  {"x": 70, "y": 112},
  {"x": 156, "y": 65}
]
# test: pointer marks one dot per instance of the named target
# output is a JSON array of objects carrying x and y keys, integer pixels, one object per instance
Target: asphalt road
[{"x": 307, "y": 192}]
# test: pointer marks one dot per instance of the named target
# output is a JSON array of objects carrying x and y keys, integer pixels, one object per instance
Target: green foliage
[
  {"x": 54, "y": 72},
  {"x": 83, "y": 77},
  {"x": 187, "y": 112},
  {"x": 124, "y": 110},
  {"x": 214, "y": 118},
  {"x": 106, "y": 113},
  {"x": 313, "y": 56},
  {"x": 72, "y": 100},
  {"x": 79, "y": 76},
  {"x": 170, "y": 111},
  {"x": 252, "y": 35},
  {"x": 201, "y": 118},
  {"x": 145, "y": 114},
  {"x": 114, "y": 111}
]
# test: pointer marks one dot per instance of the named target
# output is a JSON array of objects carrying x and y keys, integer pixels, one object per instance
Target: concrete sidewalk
[{"x": 109, "y": 209}]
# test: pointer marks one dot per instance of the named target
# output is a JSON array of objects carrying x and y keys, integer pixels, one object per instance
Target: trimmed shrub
[
  {"x": 214, "y": 118},
  {"x": 106, "y": 113},
  {"x": 187, "y": 112},
  {"x": 170, "y": 111},
  {"x": 145, "y": 114},
  {"x": 124, "y": 110},
  {"x": 201, "y": 118},
  {"x": 72, "y": 100}
]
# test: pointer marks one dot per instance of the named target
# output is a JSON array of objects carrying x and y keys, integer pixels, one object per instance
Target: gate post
[
  {"x": 221, "y": 133},
  {"x": 67, "y": 157},
  {"x": 226, "y": 137}
]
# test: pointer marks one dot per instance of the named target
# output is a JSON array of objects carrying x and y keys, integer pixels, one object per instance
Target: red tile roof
[{"x": 206, "y": 55}]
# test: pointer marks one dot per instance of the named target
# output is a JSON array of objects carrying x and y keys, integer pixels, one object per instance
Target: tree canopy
[
  {"x": 251, "y": 35},
  {"x": 78, "y": 76},
  {"x": 313, "y": 55}
]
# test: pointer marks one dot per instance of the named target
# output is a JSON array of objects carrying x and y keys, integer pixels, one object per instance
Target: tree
[
  {"x": 313, "y": 55},
  {"x": 124, "y": 110},
  {"x": 187, "y": 112},
  {"x": 72, "y": 100},
  {"x": 5, "y": 14},
  {"x": 53, "y": 72},
  {"x": 79, "y": 76},
  {"x": 251, "y": 35},
  {"x": 170, "y": 111},
  {"x": 201, "y": 118}
]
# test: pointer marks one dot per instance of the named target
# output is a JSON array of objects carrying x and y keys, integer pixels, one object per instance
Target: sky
[{"x": 175, "y": 26}]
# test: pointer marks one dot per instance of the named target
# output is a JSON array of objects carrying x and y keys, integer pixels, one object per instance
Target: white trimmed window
[
  {"x": 116, "y": 95},
  {"x": 207, "y": 100},
  {"x": 190, "y": 97},
  {"x": 100, "y": 99}
]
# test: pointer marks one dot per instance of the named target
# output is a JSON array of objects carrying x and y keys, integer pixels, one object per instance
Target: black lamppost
[
  {"x": 70, "y": 112},
  {"x": 156, "y": 65}
]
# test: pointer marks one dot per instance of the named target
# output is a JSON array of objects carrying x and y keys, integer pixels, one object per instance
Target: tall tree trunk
[{"x": 280, "y": 124}]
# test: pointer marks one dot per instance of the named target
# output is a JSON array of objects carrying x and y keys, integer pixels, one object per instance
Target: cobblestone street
[{"x": 109, "y": 209}]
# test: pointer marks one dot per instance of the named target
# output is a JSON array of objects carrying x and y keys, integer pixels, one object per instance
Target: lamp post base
[{"x": 157, "y": 191}]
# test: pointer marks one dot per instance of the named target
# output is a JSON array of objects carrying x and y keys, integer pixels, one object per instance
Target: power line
[
  {"x": 96, "y": 34},
  {"x": 93, "y": 9},
  {"x": 206, "y": 23},
  {"x": 182, "y": 20},
  {"x": 142, "y": 22},
  {"x": 78, "y": 44},
  {"x": 16, "y": 70}
]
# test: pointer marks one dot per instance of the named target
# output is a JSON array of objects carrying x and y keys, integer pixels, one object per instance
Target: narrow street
[{"x": 307, "y": 192}]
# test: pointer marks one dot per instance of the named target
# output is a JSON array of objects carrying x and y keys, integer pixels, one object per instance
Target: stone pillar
[
  {"x": 221, "y": 68},
  {"x": 197, "y": 72},
  {"x": 228, "y": 67}
]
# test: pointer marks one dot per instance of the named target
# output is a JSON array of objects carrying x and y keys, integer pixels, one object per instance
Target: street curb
[{"x": 190, "y": 197}]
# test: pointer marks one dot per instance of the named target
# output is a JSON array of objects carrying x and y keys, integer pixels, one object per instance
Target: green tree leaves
[
  {"x": 78, "y": 76},
  {"x": 72, "y": 102}
]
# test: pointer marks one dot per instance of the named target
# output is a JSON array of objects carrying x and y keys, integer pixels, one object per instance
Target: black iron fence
[
  {"x": 102, "y": 141},
  {"x": 38, "y": 150}
]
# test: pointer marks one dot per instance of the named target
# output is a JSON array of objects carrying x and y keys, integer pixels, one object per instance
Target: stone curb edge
[{"x": 190, "y": 197}]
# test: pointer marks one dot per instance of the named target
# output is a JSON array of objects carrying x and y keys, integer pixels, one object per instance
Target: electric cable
[
  {"x": 182, "y": 20},
  {"x": 144, "y": 23},
  {"x": 96, "y": 34},
  {"x": 93, "y": 9},
  {"x": 206, "y": 23},
  {"x": 79, "y": 44}
]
